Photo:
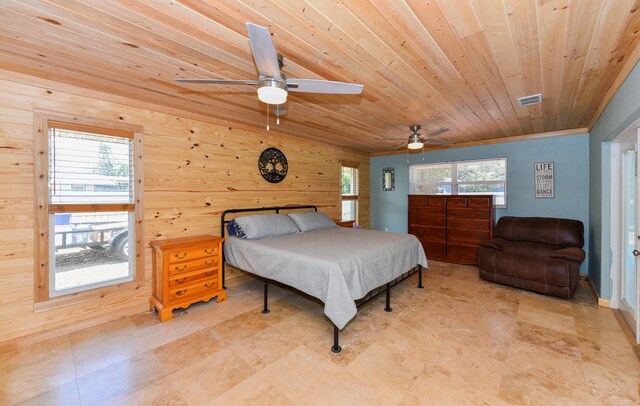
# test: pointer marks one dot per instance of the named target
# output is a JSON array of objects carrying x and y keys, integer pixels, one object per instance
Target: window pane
[
  {"x": 432, "y": 189},
  {"x": 480, "y": 189},
  {"x": 349, "y": 181},
  {"x": 89, "y": 168},
  {"x": 437, "y": 173},
  {"x": 349, "y": 210},
  {"x": 495, "y": 189},
  {"x": 481, "y": 170},
  {"x": 89, "y": 248}
]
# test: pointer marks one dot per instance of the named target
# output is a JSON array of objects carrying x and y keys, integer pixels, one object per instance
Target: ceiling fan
[
  {"x": 273, "y": 86},
  {"x": 417, "y": 141}
]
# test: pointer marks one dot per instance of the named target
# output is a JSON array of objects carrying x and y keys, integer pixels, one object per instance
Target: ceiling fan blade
[
  {"x": 436, "y": 142},
  {"x": 218, "y": 81},
  {"x": 403, "y": 146},
  {"x": 323, "y": 86},
  {"x": 264, "y": 53}
]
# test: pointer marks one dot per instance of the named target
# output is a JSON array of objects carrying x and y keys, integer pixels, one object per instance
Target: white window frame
[
  {"x": 351, "y": 197},
  {"x": 44, "y": 297},
  {"x": 454, "y": 178}
]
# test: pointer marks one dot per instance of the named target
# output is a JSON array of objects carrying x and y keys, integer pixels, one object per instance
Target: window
[
  {"x": 88, "y": 204},
  {"x": 479, "y": 177},
  {"x": 349, "y": 179}
]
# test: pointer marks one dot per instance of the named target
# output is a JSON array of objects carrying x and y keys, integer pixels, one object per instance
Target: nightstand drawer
[
  {"x": 180, "y": 268},
  {"x": 184, "y": 280},
  {"x": 192, "y": 254},
  {"x": 194, "y": 289}
]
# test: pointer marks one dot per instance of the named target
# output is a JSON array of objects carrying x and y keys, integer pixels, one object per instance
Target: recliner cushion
[
  {"x": 545, "y": 230},
  {"x": 531, "y": 261}
]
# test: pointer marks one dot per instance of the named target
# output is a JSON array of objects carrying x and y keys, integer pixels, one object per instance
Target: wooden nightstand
[
  {"x": 185, "y": 271},
  {"x": 347, "y": 224}
]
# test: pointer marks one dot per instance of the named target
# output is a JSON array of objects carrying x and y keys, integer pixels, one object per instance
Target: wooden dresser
[
  {"x": 450, "y": 228},
  {"x": 186, "y": 270}
]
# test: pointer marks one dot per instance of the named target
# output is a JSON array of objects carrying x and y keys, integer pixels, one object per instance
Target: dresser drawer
[
  {"x": 193, "y": 289},
  {"x": 180, "y": 268},
  {"x": 192, "y": 254},
  {"x": 184, "y": 280}
]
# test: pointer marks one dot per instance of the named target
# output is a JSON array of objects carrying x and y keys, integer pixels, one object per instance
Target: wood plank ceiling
[{"x": 440, "y": 63}]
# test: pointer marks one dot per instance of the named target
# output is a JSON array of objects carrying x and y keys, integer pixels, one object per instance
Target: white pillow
[
  {"x": 266, "y": 225},
  {"x": 310, "y": 221}
]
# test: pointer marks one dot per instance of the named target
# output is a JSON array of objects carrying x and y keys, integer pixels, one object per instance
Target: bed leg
[
  {"x": 388, "y": 307},
  {"x": 266, "y": 310},
  {"x": 336, "y": 346},
  {"x": 420, "y": 277}
]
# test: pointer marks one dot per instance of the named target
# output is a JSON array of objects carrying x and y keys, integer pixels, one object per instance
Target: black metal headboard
[{"x": 223, "y": 221}]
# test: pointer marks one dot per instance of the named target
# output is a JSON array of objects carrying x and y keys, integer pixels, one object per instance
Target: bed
[{"x": 342, "y": 267}]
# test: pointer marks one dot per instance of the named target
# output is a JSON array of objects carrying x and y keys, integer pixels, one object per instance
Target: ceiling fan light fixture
[
  {"x": 415, "y": 142},
  {"x": 271, "y": 91}
]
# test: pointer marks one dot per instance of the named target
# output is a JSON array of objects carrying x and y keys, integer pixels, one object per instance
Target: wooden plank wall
[{"x": 193, "y": 171}]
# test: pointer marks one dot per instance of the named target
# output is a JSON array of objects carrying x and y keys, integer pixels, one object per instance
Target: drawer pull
[
  {"x": 183, "y": 280},
  {"x": 209, "y": 262},
  {"x": 209, "y": 285},
  {"x": 209, "y": 251},
  {"x": 181, "y": 292},
  {"x": 180, "y": 269},
  {"x": 210, "y": 273},
  {"x": 180, "y": 256}
]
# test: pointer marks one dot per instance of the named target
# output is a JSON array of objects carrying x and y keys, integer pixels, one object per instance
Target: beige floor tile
[
  {"x": 211, "y": 377},
  {"x": 120, "y": 379},
  {"x": 196, "y": 384},
  {"x": 612, "y": 387},
  {"x": 23, "y": 377},
  {"x": 457, "y": 374},
  {"x": 189, "y": 349},
  {"x": 616, "y": 356},
  {"x": 537, "y": 376},
  {"x": 561, "y": 343},
  {"x": 263, "y": 348},
  {"x": 254, "y": 391},
  {"x": 546, "y": 302},
  {"x": 304, "y": 326},
  {"x": 543, "y": 318},
  {"x": 390, "y": 366},
  {"x": 63, "y": 395},
  {"x": 157, "y": 396},
  {"x": 305, "y": 378}
]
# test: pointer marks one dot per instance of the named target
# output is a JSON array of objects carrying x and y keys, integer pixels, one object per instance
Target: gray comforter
[{"x": 336, "y": 265}]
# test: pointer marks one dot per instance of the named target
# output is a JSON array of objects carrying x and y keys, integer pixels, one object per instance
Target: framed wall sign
[
  {"x": 388, "y": 180},
  {"x": 543, "y": 173}
]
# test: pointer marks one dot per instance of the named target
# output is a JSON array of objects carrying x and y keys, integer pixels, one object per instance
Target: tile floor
[{"x": 458, "y": 341}]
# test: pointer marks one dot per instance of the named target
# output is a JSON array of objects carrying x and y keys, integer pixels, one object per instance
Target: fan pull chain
[
  {"x": 278, "y": 114},
  {"x": 268, "y": 108},
  {"x": 422, "y": 152}
]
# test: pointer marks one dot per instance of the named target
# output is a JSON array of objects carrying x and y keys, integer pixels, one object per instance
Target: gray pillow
[
  {"x": 312, "y": 221},
  {"x": 266, "y": 225}
]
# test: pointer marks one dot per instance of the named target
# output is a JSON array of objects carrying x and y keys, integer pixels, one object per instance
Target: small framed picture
[{"x": 544, "y": 180}]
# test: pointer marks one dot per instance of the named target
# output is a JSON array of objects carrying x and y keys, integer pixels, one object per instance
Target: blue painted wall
[
  {"x": 571, "y": 157},
  {"x": 621, "y": 112}
]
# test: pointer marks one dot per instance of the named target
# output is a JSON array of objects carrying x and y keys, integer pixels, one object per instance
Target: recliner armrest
[
  {"x": 495, "y": 243},
  {"x": 569, "y": 253}
]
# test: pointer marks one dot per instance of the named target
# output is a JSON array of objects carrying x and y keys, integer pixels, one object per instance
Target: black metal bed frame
[{"x": 335, "y": 348}]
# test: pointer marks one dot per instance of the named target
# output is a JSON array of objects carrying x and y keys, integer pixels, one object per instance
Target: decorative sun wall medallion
[{"x": 273, "y": 165}]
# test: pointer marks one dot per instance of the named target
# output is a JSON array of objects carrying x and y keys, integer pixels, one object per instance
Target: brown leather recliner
[{"x": 535, "y": 253}]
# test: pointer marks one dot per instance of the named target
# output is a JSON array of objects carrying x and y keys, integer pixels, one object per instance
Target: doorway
[{"x": 626, "y": 227}]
